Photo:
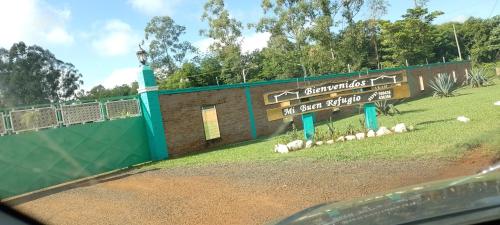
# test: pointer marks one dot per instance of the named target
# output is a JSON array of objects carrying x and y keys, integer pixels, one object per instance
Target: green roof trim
[{"x": 293, "y": 80}]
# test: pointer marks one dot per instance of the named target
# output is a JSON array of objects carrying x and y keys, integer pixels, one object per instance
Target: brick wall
[{"x": 182, "y": 118}]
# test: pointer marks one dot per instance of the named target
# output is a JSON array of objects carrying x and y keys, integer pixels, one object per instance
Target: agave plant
[
  {"x": 385, "y": 108},
  {"x": 443, "y": 85},
  {"x": 476, "y": 78}
]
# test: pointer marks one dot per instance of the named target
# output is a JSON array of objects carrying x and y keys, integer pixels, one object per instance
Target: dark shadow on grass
[
  {"x": 461, "y": 94},
  {"x": 78, "y": 184},
  {"x": 434, "y": 121},
  {"x": 412, "y": 111}
]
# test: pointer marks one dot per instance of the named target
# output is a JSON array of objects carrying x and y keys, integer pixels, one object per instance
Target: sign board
[
  {"x": 334, "y": 86},
  {"x": 356, "y": 98}
]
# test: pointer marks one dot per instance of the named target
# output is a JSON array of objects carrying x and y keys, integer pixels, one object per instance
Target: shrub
[
  {"x": 321, "y": 135},
  {"x": 332, "y": 132},
  {"x": 351, "y": 130},
  {"x": 385, "y": 108},
  {"x": 443, "y": 85},
  {"x": 290, "y": 136},
  {"x": 476, "y": 78}
]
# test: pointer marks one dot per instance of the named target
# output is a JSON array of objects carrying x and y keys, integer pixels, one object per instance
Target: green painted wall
[{"x": 34, "y": 160}]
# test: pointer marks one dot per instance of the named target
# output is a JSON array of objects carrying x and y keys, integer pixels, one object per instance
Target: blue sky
[{"x": 100, "y": 37}]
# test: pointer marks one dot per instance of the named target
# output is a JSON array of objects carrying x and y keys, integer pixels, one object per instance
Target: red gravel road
[{"x": 252, "y": 193}]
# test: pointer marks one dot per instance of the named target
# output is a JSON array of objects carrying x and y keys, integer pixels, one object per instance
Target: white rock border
[{"x": 382, "y": 131}]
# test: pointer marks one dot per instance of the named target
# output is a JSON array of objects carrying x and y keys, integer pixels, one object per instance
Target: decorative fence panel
[
  {"x": 122, "y": 108},
  {"x": 57, "y": 115},
  {"x": 3, "y": 127},
  {"x": 33, "y": 119},
  {"x": 81, "y": 113}
]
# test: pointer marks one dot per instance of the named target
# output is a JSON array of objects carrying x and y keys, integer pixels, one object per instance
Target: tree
[
  {"x": 182, "y": 78},
  {"x": 99, "y": 91},
  {"x": 410, "y": 39},
  {"x": 33, "y": 75},
  {"x": 377, "y": 9},
  {"x": 290, "y": 24},
  {"x": 210, "y": 68},
  {"x": 350, "y": 9},
  {"x": 481, "y": 39},
  {"x": 353, "y": 46},
  {"x": 444, "y": 42},
  {"x": 166, "y": 50},
  {"x": 226, "y": 33}
]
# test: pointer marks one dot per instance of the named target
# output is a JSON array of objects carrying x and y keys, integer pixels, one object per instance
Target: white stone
[
  {"x": 370, "y": 133},
  {"x": 309, "y": 144},
  {"x": 360, "y": 136},
  {"x": 319, "y": 142},
  {"x": 497, "y": 103},
  {"x": 383, "y": 131},
  {"x": 341, "y": 138},
  {"x": 281, "y": 148},
  {"x": 329, "y": 142},
  {"x": 463, "y": 119},
  {"x": 295, "y": 145},
  {"x": 350, "y": 137},
  {"x": 400, "y": 128}
]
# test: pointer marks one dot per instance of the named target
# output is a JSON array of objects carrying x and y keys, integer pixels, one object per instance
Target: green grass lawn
[{"x": 438, "y": 134}]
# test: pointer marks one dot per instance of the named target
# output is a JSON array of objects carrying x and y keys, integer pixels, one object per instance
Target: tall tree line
[{"x": 314, "y": 37}]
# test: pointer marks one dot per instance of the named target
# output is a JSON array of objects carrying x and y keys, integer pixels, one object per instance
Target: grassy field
[{"x": 437, "y": 134}]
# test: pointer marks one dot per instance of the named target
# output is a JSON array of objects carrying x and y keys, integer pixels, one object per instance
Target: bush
[
  {"x": 476, "y": 78},
  {"x": 385, "y": 108},
  {"x": 332, "y": 131},
  {"x": 443, "y": 85},
  {"x": 290, "y": 136},
  {"x": 321, "y": 135}
]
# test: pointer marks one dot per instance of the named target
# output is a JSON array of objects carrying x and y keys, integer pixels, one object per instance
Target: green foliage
[
  {"x": 443, "y": 85},
  {"x": 321, "y": 36},
  {"x": 321, "y": 134},
  {"x": 481, "y": 38},
  {"x": 332, "y": 131},
  {"x": 476, "y": 78},
  {"x": 33, "y": 75},
  {"x": 350, "y": 130},
  {"x": 385, "y": 108},
  {"x": 290, "y": 136},
  {"x": 226, "y": 33},
  {"x": 99, "y": 92},
  {"x": 410, "y": 39},
  {"x": 182, "y": 78}
]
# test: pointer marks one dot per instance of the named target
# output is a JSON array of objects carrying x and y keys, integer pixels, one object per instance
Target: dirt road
[{"x": 255, "y": 193}]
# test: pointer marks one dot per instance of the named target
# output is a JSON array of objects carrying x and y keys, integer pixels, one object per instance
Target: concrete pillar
[
  {"x": 308, "y": 124},
  {"x": 371, "y": 116},
  {"x": 150, "y": 107}
]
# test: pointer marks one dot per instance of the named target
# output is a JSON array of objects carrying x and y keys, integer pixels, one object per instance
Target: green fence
[{"x": 31, "y": 160}]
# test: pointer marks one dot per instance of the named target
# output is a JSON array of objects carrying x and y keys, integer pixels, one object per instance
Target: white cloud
[
  {"x": 204, "y": 44},
  {"x": 115, "y": 38},
  {"x": 249, "y": 43},
  {"x": 34, "y": 22},
  {"x": 121, "y": 76},
  {"x": 460, "y": 19},
  {"x": 59, "y": 36},
  {"x": 155, "y": 7},
  {"x": 255, "y": 41}
]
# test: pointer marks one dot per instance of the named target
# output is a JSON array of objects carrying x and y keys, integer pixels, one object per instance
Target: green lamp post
[{"x": 150, "y": 107}]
